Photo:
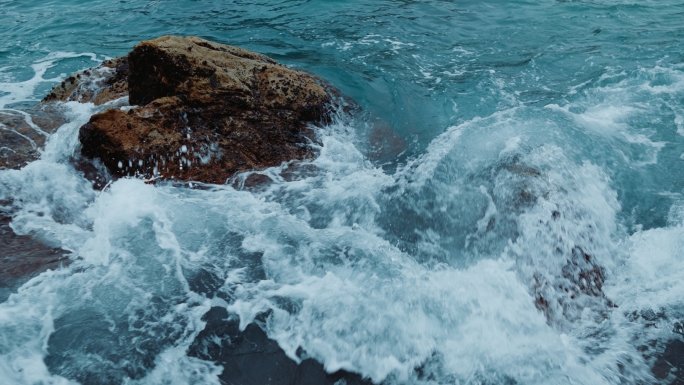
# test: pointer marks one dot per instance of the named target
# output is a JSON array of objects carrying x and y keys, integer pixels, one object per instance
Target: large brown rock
[
  {"x": 205, "y": 111},
  {"x": 98, "y": 85}
]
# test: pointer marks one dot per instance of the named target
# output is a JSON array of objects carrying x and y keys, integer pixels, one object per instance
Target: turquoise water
[{"x": 507, "y": 208}]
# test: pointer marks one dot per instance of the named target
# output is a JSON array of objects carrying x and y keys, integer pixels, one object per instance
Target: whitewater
[{"x": 506, "y": 209}]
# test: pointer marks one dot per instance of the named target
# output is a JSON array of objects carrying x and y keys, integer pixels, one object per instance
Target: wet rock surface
[
  {"x": 23, "y": 133},
  {"x": 98, "y": 85},
  {"x": 670, "y": 364},
  {"x": 204, "y": 111},
  {"x": 200, "y": 111},
  {"x": 23, "y": 257},
  {"x": 250, "y": 358}
]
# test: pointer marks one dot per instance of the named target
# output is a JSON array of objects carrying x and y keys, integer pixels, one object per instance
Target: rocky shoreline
[
  {"x": 187, "y": 109},
  {"x": 196, "y": 111}
]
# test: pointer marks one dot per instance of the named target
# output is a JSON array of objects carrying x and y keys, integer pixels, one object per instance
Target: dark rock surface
[
  {"x": 669, "y": 365},
  {"x": 23, "y": 133},
  {"x": 250, "y": 358},
  {"x": 206, "y": 111},
  {"x": 22, "y": 258}
]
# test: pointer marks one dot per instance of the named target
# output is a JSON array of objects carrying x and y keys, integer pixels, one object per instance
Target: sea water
[{"x": 507, "y": 209}]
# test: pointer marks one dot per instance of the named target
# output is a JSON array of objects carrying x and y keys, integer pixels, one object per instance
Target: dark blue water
[{"x": 507, "y": 208}]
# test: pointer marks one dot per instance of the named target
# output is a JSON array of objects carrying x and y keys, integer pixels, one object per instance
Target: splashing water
[{"x": 520, "y": 223}]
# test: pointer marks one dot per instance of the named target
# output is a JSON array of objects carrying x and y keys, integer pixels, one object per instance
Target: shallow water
[{"x": 507, "y": 210}]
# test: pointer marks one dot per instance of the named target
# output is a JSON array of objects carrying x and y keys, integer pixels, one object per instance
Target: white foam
[
  {"x": 26, "y": 324},
  {"x": 24, "y": 91},
  {"x": 174, "y": 367},
  {"x": 652, "y": 277},
  {"x": 673, "y": 85},
  {"x": 423, "y": 168},
  {"x": 602, "y": 119},
  {"x": 611, "y": 121},
  {"x": 336, "y": 285},
  {"x": 478, "y": 315}
]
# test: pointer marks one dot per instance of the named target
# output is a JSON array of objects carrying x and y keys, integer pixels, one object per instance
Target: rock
[
  {"x": 669, "y": 364},
  {"x": 385, "y": 144},
  {"x": 97, "y": 85},
  {"x": 249, "y": 357},
  {"x": 205, "y": 111},
  {"x": 23, "y": 257},
  {"x": 23, "y": 133}
]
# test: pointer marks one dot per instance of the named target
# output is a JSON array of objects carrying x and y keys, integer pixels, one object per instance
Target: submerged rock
[
  {"x": 23, "y": 257},
  {"x": 23, "y": 133},
  {"x": 670, "y": 363},
  {"x": 249, "y": 357},
  {"x": 204, "y": 111}
]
